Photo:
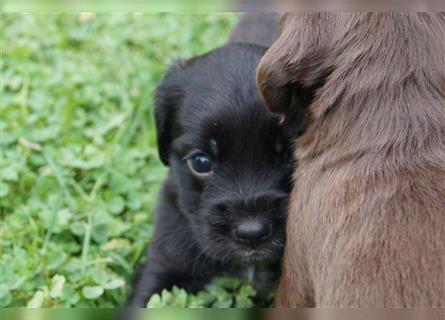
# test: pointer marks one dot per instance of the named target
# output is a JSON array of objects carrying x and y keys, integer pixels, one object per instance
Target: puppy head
[{"x": 228, "y": 155}]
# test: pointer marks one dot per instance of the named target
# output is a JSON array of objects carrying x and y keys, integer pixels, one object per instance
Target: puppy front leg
[
  {"x": 151, "y": 278},
  {"x": 160, "y": 271},
  {"x": 164, "y": 269}
]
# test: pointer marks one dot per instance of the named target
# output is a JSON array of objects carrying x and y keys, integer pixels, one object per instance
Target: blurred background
[{"x": 79, "y": 165}]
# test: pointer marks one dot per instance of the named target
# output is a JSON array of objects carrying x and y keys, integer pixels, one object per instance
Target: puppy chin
[
  {"x": 258, "y": 257},
  {"x": 229, "y": 253}
]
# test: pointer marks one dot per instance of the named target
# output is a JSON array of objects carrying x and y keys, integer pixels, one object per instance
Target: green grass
[{"x": 79, "y": 165}]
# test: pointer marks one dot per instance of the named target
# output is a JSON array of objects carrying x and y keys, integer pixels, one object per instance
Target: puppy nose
[{"x": 252, "y": 231}]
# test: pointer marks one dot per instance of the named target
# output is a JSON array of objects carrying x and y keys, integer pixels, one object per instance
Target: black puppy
[{"x": 222, "y": 208}]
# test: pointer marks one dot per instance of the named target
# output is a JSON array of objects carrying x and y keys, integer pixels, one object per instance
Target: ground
[{"x": 79, "y": 165}]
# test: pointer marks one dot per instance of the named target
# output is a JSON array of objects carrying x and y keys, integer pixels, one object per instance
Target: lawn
[{"x": 79, "y": 165}]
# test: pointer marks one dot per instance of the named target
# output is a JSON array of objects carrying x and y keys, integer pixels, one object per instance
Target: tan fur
[{"x": 366, "y": 226}]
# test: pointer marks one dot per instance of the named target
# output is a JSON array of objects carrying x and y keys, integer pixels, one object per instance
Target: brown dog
[{"x": 366, "y": 225}]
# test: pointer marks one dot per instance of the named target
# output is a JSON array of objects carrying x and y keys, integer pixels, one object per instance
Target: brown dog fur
[{"x": 366, "y": 226}]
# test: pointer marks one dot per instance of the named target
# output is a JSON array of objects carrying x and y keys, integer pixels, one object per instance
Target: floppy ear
[
  {"x": 274, "y": 84},
  {"x": 168, "y": 97},
  {"x": 296, "y": 64}
]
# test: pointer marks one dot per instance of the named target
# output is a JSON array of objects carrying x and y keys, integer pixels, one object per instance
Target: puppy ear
[
  {"x": 168, "y": 97},
  {"x": 296, "y": 64},
  {"x": 274, "y": 84}
]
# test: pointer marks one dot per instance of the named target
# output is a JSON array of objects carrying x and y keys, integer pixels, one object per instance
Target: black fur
[{"x": 210, "y": 103}]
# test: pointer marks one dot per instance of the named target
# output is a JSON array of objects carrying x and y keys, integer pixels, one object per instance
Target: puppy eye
[
  {"x": 279, "y": 146},
  {"x": 283, "y": 149},
  {"x": 200, "y": 164}
]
